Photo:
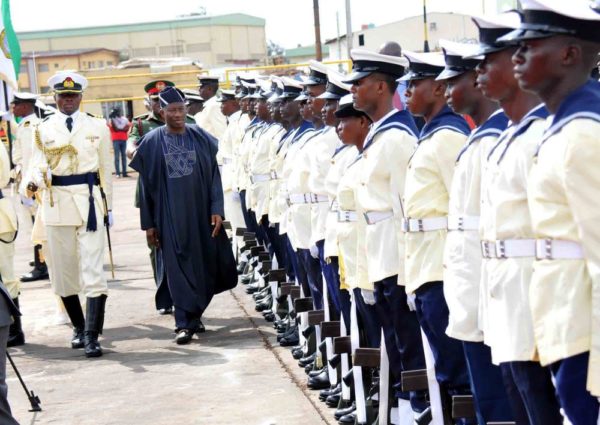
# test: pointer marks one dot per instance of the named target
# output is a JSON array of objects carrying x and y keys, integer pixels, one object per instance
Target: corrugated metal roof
[
  {"x": 233, "y": 19},
  {"x": 65, "y": 52}
]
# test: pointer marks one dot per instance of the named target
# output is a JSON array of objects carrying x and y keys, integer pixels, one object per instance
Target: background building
[
  {"x": 409, "y": 33},
  {"x": 303, "y": 54},
  {"x": 211, "y": 40}
]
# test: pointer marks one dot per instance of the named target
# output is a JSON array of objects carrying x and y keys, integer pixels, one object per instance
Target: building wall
[
  {"x": 409, "y": 34},
  {"x": 45, "y": 67},
  {"x": 210, "y": 45}
]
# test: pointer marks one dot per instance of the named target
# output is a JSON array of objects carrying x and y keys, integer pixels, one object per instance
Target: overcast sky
[{"x": 289, "y": 23}]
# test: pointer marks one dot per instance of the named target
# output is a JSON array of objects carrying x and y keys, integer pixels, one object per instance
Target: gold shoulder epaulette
[{"x": 26, "y": 123}]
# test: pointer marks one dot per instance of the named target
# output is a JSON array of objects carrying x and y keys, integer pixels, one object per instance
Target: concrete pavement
[{"x": 235, "y": 373}]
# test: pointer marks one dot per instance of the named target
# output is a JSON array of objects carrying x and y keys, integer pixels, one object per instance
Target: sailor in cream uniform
[
  {"x": 321, "y": 155},
  {"x": 266, "y": 139},
  {"x": 563, "y": 193},
  {"x": 426, "y": 197},
  {"x": 8, "y": 234},
  {"x": 210, "y": 118},
  {"x": 225, "y": 156},
  {"x": 383, "y": 160},
  {"x": 71, "y": 162},
  {"x": 462, "y": 252}
]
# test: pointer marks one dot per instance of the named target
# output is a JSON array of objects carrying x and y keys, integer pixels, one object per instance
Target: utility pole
[
  {"x": 337, "y": 24},
  {"x": 425, "y": 29},
  {"x": 319, "y": 52},
  {"x": 348, "y": 27}
]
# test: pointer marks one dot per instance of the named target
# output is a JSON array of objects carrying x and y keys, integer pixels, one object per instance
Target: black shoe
[
  {"x": 305, "y": 361},
  {"x": 316, "y": 372},
  {"x": 297, "y": 353},
  {"x": 35, "y": 274},
  {"x": 16, "y": 337},
  {"x": 94, "y": 325},
  {"x": 200, "y": 329},
  {"x": 241, "y": 266},
  {"x": 350, "y": 418},
  {"x": 333, "y": 400},
  {"x": 342, "y": 412},
  {"x": 184, "y": 336},
  {"x": 269, "y": 317},
  {"x": 92, "y": 346},
  {"x": 77, "y": 341},
  {"x": 329, "y": 391},
  {"x": 165, "y": 311},
  {"x": 265, "y": 305},
  {"x": 75, "y": 312},
  {"x": 320, "y": 381},
  {"x": 290, "y": 340}
]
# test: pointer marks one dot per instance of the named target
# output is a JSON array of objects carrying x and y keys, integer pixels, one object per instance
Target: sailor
[
  {"x": 462, "y": 252},
  {"x": 228, "y": 144},
  {"x": 72, "y": 163},
  {"x": 210, "y": 118},
  {"x": 24, "y": 107},
  {"x": 425, "y": 204},
  {"x": 383, "y": 161},
  {"x": 195, "y": 102},
  {"x": 559, "y": 45}
]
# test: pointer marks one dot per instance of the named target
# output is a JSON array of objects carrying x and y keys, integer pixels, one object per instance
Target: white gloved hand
[
  {"x": 410, "y": 300},
  {"x": 37, "y": 178},
  {"x": 27, "y": 201},
  {"x": 110, "y": 219},
  {"x": 368, "y": 296},
  {"x": 314, "y": 251}
]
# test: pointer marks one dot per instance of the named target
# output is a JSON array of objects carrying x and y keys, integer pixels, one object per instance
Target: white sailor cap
[
  {"x": 192, "y": 96},
  {"x": 251, "y": 89},
  {"x": 67, "y": 82},
  {"x": 318, "y": 74},
  {"x": 336, "y": 88},
  {"x": 491, "y": 28},
  {"x": 263, "y": 90},
  {"x": 423, "y": 65},
  {"x": 346, "y": 108},
  {"x": 225, "y": 95},
  {"x": 291, "y": 88},
  {"x": 207, "y": 79},
  {"x": 365, "y": 62},
  {"x": 278, "y": 90},
  {"x": 24, "y": 96},
  {"x": 547, "y": 18},
  {"x": 455, "y": 56}
]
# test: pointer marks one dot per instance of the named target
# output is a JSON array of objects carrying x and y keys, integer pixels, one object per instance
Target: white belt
[
  {"x": 274, "y": 175},
  {"x": 463, "y": 222},
  {"x": 315, "y": 198},
  {"x": 373, "y": 217},
  {"x": 410, "y": 225},
  {"x": 346, "y": 216},
  {"x": 299, "y": 198},
  {"x": 259, "y": 178},
  {"x": 550, "y": 249},
  {"x": 509, "y": 248},
  {"x": 227, "y": 161}
]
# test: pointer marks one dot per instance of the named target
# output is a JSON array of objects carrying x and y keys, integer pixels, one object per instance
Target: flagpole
[{"x": 8, "y": 134}]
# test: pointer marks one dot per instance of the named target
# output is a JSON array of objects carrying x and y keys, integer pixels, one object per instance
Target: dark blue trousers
[
  {"x": 312, "y": 268},
  {"x": 276, "y": 242},
  {"x": 250, "y": 225},
  {"x": 534, "y": 402},
  {"x": 368, "y": 320},
  {"x": 450, "y": 365},
  {"x": 291, "y": 267},
  {"x": 186, "y": 320},
  {"x": 570, "y": 376},
  {"x": 491, "y": 401},
  {"x": 402, "y": 335},
  {"x": 332, "y": 277},
  {"x": 346, "y": 306}
]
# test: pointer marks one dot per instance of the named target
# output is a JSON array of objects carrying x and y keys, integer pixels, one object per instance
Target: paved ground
[{"x": 233, "y": 374}]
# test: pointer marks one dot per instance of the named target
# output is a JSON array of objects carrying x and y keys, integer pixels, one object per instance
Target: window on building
[
  {"x": 100, "y": 64},
  {"x": 361, "y": 39},
  {"x": 56, "y": 65},
  {"x": 109, "y": 63},
  {"x": 43, "y": 67},
  {"x": 433, "y": 26}
]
